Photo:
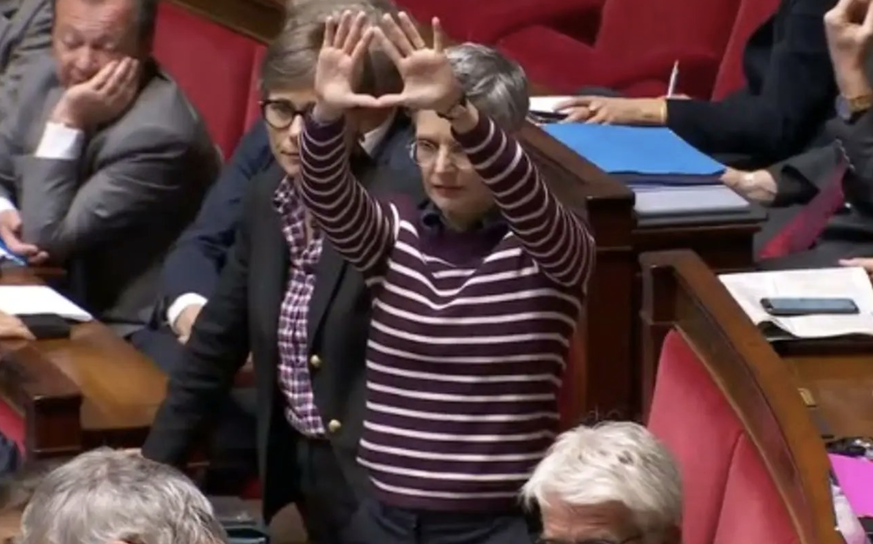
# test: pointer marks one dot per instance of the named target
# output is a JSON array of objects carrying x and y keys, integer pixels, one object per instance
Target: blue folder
[{"x": 639, "y": 155}]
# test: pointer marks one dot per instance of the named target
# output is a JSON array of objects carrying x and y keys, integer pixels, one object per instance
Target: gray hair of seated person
[
  {"x": 291, "y": 58},
  {"x": 106, "y": 495},
  {"x": 146, "y": 17},
  {"x": 611, "y": 462},
  {"x": 496, "y": 85}
]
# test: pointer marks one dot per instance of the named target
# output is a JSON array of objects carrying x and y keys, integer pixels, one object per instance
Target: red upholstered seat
[
  {"x": 212, "y": 64},
  {"x": 635, "y": 49},
  {"x": 12, "y": 424},
  {"x": 730, "y": 496},
  {"x": 751, "y": 15}
]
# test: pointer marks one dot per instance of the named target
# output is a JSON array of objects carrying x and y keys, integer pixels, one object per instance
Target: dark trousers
[
  {"x": 232, "y": 445},
  {"x": 328, "y": 503},
  {"x": 379, "y": 523}
]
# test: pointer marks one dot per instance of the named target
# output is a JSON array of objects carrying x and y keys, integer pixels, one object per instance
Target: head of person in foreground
[
  {"x": 613, "y": 483},
  {"x": 108, "y": 496}
]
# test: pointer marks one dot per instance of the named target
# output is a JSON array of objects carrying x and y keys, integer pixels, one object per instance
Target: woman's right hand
[{"x": 338, "y": 69}]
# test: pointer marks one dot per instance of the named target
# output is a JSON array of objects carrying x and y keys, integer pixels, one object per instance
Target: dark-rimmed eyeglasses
[{"x": 280, "y": 114}]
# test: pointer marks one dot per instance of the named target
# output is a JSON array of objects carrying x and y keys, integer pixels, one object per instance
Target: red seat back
[
  {"x": 730, "y": 496},
  {"x": 752, "y": 14},
  {"x": 212, "y": 64},
  {"x": 631, "y": 27}
]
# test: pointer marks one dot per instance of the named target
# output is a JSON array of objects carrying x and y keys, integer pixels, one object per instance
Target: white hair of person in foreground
[
  {"x": 108, "y": 496},
  {"x": 611, "y": 483}
]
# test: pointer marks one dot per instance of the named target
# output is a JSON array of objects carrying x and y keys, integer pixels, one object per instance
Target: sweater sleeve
[
  {"x": 555, "y": 238},
  {"x": 794, "y": 99},
  {"x": 361, "y": 228}
]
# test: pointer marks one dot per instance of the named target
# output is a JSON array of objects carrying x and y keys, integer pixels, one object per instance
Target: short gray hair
[
  {"x": 291, "y": 57},
  {"x": 107, "y": 495},
  {"x": 146, "y": 17},
  {"x": 496, "y": 85},
  {"x": 611, "y": 462}
]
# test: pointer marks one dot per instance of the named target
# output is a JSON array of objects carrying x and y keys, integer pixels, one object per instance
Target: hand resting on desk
[
  {"x": 12, "y": 327},
  {"x": 865, "y": 263}
]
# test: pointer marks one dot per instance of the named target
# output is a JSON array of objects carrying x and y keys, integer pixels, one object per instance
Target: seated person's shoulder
[{"x": 161, "y": 109}]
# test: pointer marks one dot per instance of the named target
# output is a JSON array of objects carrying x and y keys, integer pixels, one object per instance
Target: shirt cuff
[
  {"x": 178, "y": 306},
  {"x": 60, "y": 142},
  {"x": 6, "y": 205}
]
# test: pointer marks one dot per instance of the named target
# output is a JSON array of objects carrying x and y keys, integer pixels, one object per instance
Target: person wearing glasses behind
[
  {"x": 294, "y": 304},
  {"x": 613, "y": 483}
]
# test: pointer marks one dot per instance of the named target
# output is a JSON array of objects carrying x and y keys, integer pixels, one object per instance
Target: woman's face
[{"x": 283, "y": 112}]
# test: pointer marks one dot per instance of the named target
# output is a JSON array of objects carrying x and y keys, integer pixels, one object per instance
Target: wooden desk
[
  {"x": 681, "y": 293},
  {"x": 81, "y": 392},
  {"x": 609, "y": 374}
]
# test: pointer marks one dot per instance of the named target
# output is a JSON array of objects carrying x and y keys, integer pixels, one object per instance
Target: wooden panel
[
  {"x": 682, "y": 293},
  {"x": 90, "y": 389}
]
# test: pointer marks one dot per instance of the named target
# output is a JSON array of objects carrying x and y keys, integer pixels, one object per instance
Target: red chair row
[{"x": 625, "y": 45}]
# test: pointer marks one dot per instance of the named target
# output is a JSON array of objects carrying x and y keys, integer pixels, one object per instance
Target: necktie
[{"x": 804, "y": 229}]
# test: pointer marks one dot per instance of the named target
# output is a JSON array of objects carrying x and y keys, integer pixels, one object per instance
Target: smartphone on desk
[{"x": 797, "y": 306}]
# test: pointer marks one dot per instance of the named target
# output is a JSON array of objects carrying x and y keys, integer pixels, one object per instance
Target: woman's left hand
[{"x": 428, "y": 80}]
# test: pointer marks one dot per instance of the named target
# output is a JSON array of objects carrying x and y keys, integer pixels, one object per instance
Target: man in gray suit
[
  {"x": 104, "y": 161},
  {"x": 25, "y": 35}
]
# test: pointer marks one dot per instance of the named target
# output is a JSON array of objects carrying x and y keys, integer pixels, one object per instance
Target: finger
[
  {"x": 329, "y": 32},
  {"x": 391, "y": 100},
  {"x": 354, "y": 37},
  {"x": 867, "y": 26},
  {"x": 39, "y": 259},
  {"x": 362, "y": 47},
  {"x": 439, "y": 37},
  {"x": 577, "y": 114},
  {"x": 397, "y": 37},
  {"x": 411, "y": 32},
  {"x": 598, "y": 117},
  {"x": 388, "y": 46},
  {"x": 118, "y": 77},
  {"x": 572, "y": 103},
  {"x": 102, "y": 77},
  {"x": 363, "y": 101},
  {"x": 342, "y": 31}
]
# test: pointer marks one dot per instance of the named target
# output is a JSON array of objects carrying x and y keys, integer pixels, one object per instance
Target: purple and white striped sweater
[{"x": 469, "y": 330}]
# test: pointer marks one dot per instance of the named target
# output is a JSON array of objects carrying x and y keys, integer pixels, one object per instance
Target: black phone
[
  {"x": 789, "y": 306},
  {"x": 546, "y": 117}
]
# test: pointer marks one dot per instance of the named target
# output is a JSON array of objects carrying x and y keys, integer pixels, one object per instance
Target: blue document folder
[{"x": 639, "y": 155}]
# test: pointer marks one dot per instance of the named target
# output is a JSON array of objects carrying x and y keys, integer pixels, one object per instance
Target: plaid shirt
[{"x": 294, "y": 380}]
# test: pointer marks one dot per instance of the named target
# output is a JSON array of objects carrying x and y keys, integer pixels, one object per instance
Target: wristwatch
[
  {"x": 452, "y": 113},
  {"x": 850, "y": 108}
]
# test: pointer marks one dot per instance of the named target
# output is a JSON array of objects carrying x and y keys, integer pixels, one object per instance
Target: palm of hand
[
  {"x": 429, "y": 82},
  {"x": 333, "y": 77}
]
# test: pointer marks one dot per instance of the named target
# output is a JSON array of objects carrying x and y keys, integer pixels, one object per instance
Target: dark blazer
[
  {"x": 198, "y": 257},
  {"x": 242, "y": 316},
  {"x": 787, "y": 99}
]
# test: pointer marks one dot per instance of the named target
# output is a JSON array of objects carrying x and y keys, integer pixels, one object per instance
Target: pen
[{"x": 674, "y": 77}]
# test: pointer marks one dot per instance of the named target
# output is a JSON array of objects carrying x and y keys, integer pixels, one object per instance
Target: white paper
[
  {"x": 749, "y": 288},
  {"x": 546, "y": 104},
  {"x": 39, "y": 299}
]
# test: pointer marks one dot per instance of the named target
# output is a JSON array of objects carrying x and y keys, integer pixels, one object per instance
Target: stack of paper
[
  {"x": 39, "y": 299},
  {"x": 749, "y": 288},
  {"x": 639, "y": 156}
]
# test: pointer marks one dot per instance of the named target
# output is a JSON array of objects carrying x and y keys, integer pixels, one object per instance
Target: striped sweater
[{"x": 469, "y": 330}]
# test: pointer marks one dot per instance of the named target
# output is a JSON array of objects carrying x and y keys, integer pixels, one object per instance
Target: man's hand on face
[
  {"x": 10, "y": 233},
  {"x": 102, "y": 98}
]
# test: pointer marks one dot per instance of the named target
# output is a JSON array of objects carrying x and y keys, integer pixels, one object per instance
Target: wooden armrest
[{"x": 49, "y": 401}]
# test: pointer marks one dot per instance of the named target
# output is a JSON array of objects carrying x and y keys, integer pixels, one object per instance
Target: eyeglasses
[
  {"x": 425, "y": 154},
  {"x": 280, "y": 114},
  {"x": 588, "y": 540}
]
